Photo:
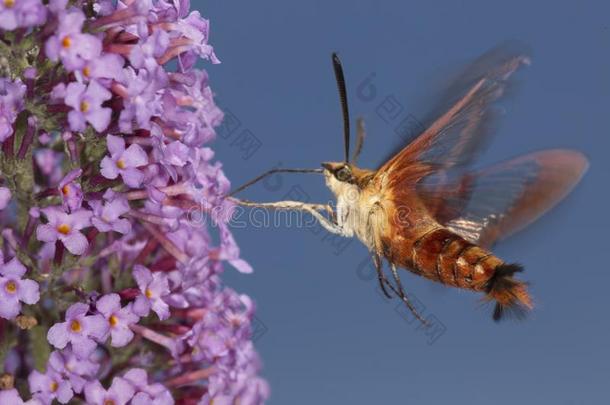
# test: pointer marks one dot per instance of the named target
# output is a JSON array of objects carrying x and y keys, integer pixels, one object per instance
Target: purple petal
[
  {"x": 10, "y": 397},
  {"x": 9, "y": 306},
  {"x": 132, "y": 177},
  {"x": 101, "y": 225},
  {"x": 94, "y": 392},
  {"x": 58, "y": 335},
  {"x": 141, "y": 306},
  {"x": 134, "y": 156},
  {"x": 77, "y": 121},
  {"x": 99, "y": 118},
  {"x": 82, "y": 346},
  {"x": 74, "y": 94},
  {"x": 108, "y": 304},
  {"x": 241, "y": 265},
  {"x": 81, "y": 219},
  {"x": 122, "y": 389},
  {"x": 96, "y": 326},
  {"x": 122, "y": 226},
  {"x": 98, "y": 92},
  {"x": 76, "y": 243},
  {"x": 13, "y": 268},
  {"x": 46, "y": 233},
  {"x": 137, "y": 377},
  {"x": 28, "y": 291},
  {"x": 64, "y": 392},
  {"x": 121, "y": 336},
  {"x": 142, "y": 276},
  {"x": 109, "y": 169},
  {"x": 5, "y": 197},
  {"x": 161, "y": 309},
  {"x": 76, "y": 310},
  {"x": 116, "y": 145}
]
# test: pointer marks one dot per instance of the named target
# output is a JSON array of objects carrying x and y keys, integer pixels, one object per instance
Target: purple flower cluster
[{"x": 109, "y": 287}]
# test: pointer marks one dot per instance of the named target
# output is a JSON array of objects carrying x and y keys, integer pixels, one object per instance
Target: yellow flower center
[
  {"x": 11, "y": 287},
  {"x": 120, "y": 164},
  {"x": 86, "y": 71},
  {"x": 9, "y": 3},
  {"x": 54, "y": 386},
  {"x": 113, "y": 320},
  {"x": 65, "y": 189},
  {"x": 84, "y": 106},
  {"x": 148, "y": 293},
  {"x": 109, "y": 402},
  {"x": 63, "y": 229},
  {"x": 66, "y": 42},
  {"x": 75, "y": 326}
]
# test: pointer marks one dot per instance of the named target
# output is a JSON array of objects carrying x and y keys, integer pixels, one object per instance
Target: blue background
[{"x": 326, "y": 336}]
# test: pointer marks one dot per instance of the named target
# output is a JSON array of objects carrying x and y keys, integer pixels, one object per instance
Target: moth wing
[{"x": 488, "y": 205}]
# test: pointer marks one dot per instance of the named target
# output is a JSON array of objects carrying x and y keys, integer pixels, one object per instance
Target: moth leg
[
  {"x": 312, "y": 209},
  {"x": 380, "y": 276},
  {"x": 401, "y": 293}
]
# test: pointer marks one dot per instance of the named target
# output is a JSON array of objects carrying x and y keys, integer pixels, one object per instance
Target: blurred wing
[
  {"x": 458, "y": 130},
  {"x": 491, "y": 204}
]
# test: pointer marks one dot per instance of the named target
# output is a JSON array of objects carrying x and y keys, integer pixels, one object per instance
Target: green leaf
[
  {"x": 8, "y": 340},
  {"x": 39, "y": 347}
]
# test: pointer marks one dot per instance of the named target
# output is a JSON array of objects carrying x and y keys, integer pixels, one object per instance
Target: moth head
[{"x": 339, "y": 171}]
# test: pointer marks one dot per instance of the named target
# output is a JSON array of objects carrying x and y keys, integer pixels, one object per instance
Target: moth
[{"x": 426, "y": 210}]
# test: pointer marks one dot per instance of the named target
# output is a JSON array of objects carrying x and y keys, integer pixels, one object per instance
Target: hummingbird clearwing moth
[{"x": 424, "y": 210}]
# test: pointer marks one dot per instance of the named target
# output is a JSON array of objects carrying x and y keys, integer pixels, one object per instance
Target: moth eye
[{"x": 343, "y": 174}]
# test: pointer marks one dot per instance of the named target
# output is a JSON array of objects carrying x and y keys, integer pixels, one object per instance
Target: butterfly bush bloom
[
  {"x": 153, "y": 288},
  {"x": 11, "y": 396},
  {"x": 65, "y": 228},
  {"x": 119, "y": 319},
  {"x": 105, "y": 134},
  {"x": 79, "y": 329},
  {"x": 11, "y": 104},
  {"x": 118, "y": 394},
  {"x": 14, "y": 289},
  {"x": 86, "y": 103},
  {"x": 124, "y": 162}
]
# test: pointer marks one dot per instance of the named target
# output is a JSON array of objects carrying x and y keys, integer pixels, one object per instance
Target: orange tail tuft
[{"x": 510, "y": 294}]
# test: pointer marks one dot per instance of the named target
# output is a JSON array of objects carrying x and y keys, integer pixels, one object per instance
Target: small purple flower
[
  {"x": 141, "y": 100},
  {"x": 21, "y": 13},
  {"x": 106, "y": 217},
  {"x": 79, "y": 330},
  {"x": 119, "y": 319},
  {"x": 119, "y": 392},
  {"x": 12, "y": 397},
  {"x": 69, "y": 44},
  {"x": 153, "y": 287},
  {"x": 124, "y": 162},
  {"x": 71, "y": 191},
  {"x": 14, "y": 290},
  {"x": 65, "y": 227},
  {"x": 76, "y": 369},
  {"x": 5, "y": 197},
  {"x": 49, "y": 386},
  {"x": 12, "y": 95},
  {"x": 147, "y": 394},
  {"x": 105, "y": 67},
  {"x": 86, "y": 102},
  {"x": 146, "y": 53}
]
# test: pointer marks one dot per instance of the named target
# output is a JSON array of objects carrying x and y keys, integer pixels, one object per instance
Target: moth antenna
[{"x": 338, "y": 68}]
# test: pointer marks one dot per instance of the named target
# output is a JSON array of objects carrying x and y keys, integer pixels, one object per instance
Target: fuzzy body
[{"x": 401, "y": 229}]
